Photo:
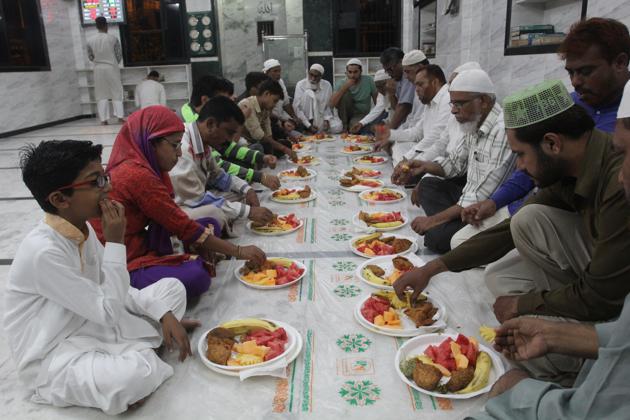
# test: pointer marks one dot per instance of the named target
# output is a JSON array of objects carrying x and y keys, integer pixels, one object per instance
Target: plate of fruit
[
  {"x": 383, "y": 195},
  {"x": 382, "y": 272},
  {"x": 384, "y": 313},
  {"x": 235, "y": 346},
  {"x": 381, "y": 221},
  {"x": 280, "y": 225},
  {"x": 362, "y": 173},
  {"x": 307, "y": 160},
  {"x": 357, "y": 138},
  {"x": 354, "y": 149},
  {"x": 318, "y": 137},
  {"x": 293, "y": 195},
  {"x": 300, "y": 147},
  {"x": 355, "y": 184},
  {"x": 448, "y": 366},
  {"x": 379, "y": 244},
  {"x": 370, "y": 160},
  {"x": 275, "y": 273},
  {"x": 298, "y": 174}
]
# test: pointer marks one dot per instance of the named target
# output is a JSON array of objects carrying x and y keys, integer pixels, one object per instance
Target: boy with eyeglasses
[{"x": 80, "y": 335}]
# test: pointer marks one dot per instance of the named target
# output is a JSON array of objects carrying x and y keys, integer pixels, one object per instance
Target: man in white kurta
[
  {"x": 283, "y": 109},
  {"x": 311, "y": 103},
  {"x": 80, "y": 335},
  {"x": 150, "y": 91},
  {"x": 105, "y": 52}
]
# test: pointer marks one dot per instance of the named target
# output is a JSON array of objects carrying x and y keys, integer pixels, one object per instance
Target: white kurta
[
  {"x": 149, "y": 92},
  {"x": 310, "y": 104},
  {"x": 382, "y": 105},
  {"x": 278, "y": 110},
  {"x": 80, "y": 335},
  {"x": 105, "y": 52},
  {"x": 415, "y": 115}
]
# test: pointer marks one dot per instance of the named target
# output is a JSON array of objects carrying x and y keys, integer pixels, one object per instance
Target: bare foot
[
  {"x": 104, "y": 123},
  {"x": 122, "y": 120},
  {"x": 190, "y": 324}
]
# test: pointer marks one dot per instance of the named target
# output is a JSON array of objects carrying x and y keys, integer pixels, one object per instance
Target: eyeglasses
[
  {"x": 460, "y": 104},
  {"x": 100, "y": 182},
  {"x": 176, "y": 145}
]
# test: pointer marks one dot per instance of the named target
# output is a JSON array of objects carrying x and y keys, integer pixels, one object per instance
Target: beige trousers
[{"x": 552, "y": 249}]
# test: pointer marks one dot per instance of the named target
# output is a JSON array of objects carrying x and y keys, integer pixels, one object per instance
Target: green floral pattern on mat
[
  {"x": 337, "y": 203},
  {"x": 340, "y": 237},
  {"x": 354, "y": 343},
  {"x": 339, "y": 222},
  {"x": 347, "y": 291},
  {"x": 336, "y": 192},
  {"x": 344, "y": 266},
  {"x": 334, "y": 177},
  {"x": 360, "y": 393}
]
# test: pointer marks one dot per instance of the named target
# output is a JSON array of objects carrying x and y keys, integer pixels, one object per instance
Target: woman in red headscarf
[{"x": 146, "y": 148}]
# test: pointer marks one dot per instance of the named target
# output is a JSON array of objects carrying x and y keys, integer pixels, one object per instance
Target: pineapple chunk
[{"x": 378, "y": 320}]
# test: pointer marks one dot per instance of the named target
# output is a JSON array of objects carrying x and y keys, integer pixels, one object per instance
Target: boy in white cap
[
  {"x": 283, "y": 109},
  {"x": 353, "y": 95},
  {"x": 391, "y": 60},
  {"x": 311, "y": 103},
  {"x": 571, "y": 237},
  {"x": 470, "y": 173},
  {"x": 382, "y": 111}
]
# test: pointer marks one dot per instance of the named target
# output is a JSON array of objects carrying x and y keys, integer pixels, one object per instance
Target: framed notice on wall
[
  {"x": 202, "y": 34},
  {"x": 112, "y": 10}
]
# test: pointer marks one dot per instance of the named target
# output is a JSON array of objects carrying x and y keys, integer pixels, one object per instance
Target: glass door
[{"x": 292, "y": 53}]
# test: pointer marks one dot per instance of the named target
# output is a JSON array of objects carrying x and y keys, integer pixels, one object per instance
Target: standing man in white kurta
[
  {"x": 105, "y": 52},
  {"x": 80, "y": 335}
]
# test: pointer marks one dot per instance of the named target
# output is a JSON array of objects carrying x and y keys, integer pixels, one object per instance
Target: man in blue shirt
[{"x": 596, "y": 53}]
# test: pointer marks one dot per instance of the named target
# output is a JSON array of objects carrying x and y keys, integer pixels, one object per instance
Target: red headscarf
[{"x": 133, "y": 142}]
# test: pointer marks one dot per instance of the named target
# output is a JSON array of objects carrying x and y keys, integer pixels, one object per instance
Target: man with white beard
[
  {"x": 310, "y": 103},
  {"x": 469, "y": 173}
]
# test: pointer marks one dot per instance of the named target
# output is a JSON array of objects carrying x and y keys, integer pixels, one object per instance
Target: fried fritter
[
  {"x": 376, "y": 270},
  {"x": 305, "y": 193},
  {"x": 402, "y": 264},
  {"x": 348, "y": 182},
  {"x": 422, "y": 314},
  {"x": 219, "y": 349},
  {"x": 426, "y": 376},
  {"x": 301, "y": 171},
  {"x": 388, "y": 240},
  {"x": 400, "y": 245},
  {"x": 460, "y": 378}
]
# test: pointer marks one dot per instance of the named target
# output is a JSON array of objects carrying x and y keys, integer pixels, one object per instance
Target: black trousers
[{"x": 437, "y": 195}]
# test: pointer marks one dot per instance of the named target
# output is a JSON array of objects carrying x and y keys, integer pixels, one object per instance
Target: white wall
[
  {"x": 33, "y": 98},
  {"x": 477, "y": 33}
]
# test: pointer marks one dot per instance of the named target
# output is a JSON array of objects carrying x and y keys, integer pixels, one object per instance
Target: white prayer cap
[
  {"x": 471, "y": 65},
  {"x": 624, "y": 106},
  {"x": 318, "y": 67},
  {"x": 354, "y": 62},
  {"x": 413, "y": 57},
  {"x": 381, "y": 75},
  {"x": 269, "y": 64},
  {"x": 475, "y": 80}
]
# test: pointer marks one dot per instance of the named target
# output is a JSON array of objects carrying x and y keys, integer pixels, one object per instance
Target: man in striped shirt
[{"x": 472, "y": 171}]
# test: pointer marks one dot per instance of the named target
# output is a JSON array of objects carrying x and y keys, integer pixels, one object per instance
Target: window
[
  {"x": 264, "y": 27},
  {"x": 428, "y": 30},
  {"x": 154, "y": 33},
  {"x": 22, "y": 39},
  {"x": 365, "y": 27}
]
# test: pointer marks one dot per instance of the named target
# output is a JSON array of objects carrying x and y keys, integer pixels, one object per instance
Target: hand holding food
[{"x": 260, "y": 215}]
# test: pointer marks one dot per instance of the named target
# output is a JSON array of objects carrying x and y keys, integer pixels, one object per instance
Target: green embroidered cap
[{"x": 535, "y": 104}]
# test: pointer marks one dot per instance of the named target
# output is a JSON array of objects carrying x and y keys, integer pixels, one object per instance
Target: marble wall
[
  {"x": 477, "y": 33},
  {"x": 34, "y": 98}
]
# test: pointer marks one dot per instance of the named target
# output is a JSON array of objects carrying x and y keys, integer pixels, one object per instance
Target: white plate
[
  {"x": 343, "y": 173},
  {"x": 360, "y": 188},
  {"x": 409, "y": 327},
  {"x": 358, "y": 161},
  {"x": 354, "y": 140},
  {"x": 277, "y": 233},
  {"x": 292, "y": 338},
  {"x": 364, "y": 194},
  {"x": 312, "y": 139},
  {"x": 412, "y": 249},
  {"x": 237, "y": 274},
  {"x": 417, "y": 346},
  {"x": 291, "y": 356},
  {"x": 311, "y": 197},
  {"x": 385, "y": 262},
  {"x": 311, "y": 174},
  {"x": 314, "y": 162},
  {"x": 364, "y": 150},
  {"x": 364, "y": 226}
]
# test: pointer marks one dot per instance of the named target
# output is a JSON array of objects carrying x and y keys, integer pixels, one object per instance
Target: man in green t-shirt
[{"x": 353, "y": 95}]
